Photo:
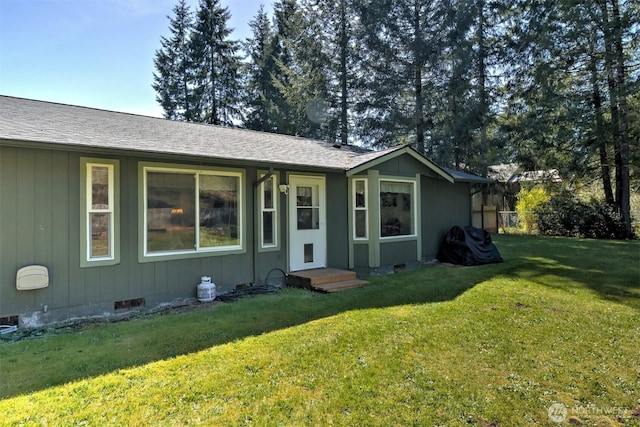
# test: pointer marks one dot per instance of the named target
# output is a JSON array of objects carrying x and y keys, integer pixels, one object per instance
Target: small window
[
  {"x": 397, "y": 208},
  {"x": 269, "y": 212},
  {"x": 307, "y": 207},
  {"x": 99, "y": 212},
  {"x": 360, "y": 209}
]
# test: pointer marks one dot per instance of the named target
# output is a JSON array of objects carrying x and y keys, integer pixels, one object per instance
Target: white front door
[{"x": 307, "y": 222}]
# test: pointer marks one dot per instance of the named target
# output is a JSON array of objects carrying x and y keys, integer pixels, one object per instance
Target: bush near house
[
  {"x": 565, "y": 215},
  {"x": 528, "y": 200}
]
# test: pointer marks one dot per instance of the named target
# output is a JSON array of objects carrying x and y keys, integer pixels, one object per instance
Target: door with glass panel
[{"x": 307, "y": 224}]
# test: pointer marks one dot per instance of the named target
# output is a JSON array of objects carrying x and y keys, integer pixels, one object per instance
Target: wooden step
[
  {"x": 319, "y": 276},
  {"x": 340, "y": 286},
  {"x": 324, "y": 279}
]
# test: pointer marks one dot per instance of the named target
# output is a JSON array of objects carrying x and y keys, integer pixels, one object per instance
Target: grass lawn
[{"x": 558, "y": 323}]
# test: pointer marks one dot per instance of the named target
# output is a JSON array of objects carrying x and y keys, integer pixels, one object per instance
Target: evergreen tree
[
  {"x": 173, "y": 79},
  {"x": 287, "y": 28},
  {"x": 401, "y": 38},
  {"x": 615, "y": 31},
  {"x": 216, "y": 65},
  {"x": 338, "y": 30},
  {"x": 454, "y": 118},
  {"x": 307, "y": 93},
  {"x": 259, "y": 88},
  {"x": 569, "y": 99}
]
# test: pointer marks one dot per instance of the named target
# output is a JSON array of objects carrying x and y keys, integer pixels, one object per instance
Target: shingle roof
[
  {"x": 67, "y": 125},
  {"x": 39, "y": 121}
]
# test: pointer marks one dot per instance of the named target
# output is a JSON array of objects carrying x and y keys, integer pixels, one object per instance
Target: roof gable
[{"x": 367, "y": 161}]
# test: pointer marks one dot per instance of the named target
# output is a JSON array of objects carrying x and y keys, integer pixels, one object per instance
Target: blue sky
[{"x": 95, "y": 53}]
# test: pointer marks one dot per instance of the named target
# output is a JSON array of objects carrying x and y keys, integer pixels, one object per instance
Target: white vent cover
[{"x": 32, "y": 277}]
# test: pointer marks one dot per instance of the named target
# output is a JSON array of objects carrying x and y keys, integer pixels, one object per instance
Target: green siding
[
  {"x": 337, "y": 221},
  {"x": 33, "y": 226},
  {"x": 443, "y": 206},
  {"x": 404, "y": 166},
  {"x": 361, "y": 255},
  {"x": 40, "y": 217},
  {"x": 397, "y": 252},
  {"x": 39, "y": 221}
]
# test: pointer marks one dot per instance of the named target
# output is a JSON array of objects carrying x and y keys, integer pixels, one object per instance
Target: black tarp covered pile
[{"x": 468, "y": 246}]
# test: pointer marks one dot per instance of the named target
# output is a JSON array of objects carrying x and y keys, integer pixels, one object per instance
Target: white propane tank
[{"x": 206, "y": 289}]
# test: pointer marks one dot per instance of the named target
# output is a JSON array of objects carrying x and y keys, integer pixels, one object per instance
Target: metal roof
[{"x": 460, "y": 176}]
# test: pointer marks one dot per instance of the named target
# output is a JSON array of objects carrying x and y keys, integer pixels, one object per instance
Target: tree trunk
[
  {"x": 482, "y": 77},
  {"x": 599, "y": 131},
  {"x": 213, "y": 119},
  {"x": 453, "y": 107},
  {"x": 344, "y": 135},
  {"x": 613, "y": 99},
  {"x": 624, "y": 191},
  {"x": 418, "y": 63}
]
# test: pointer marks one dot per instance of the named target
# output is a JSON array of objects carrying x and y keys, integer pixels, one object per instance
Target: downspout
[{"x": 256, "y": 204}]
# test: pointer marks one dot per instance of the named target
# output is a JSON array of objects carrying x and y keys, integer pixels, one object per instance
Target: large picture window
[
  {"x": 188, "y": 210},
  {"x": 397, "y": 216},
  {"x": 100, "y": 211}
]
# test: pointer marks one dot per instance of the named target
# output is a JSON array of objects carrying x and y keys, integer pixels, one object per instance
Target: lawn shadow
[
  {"x": 94, "y": 349},
  {"x": 610, "y": 268}
]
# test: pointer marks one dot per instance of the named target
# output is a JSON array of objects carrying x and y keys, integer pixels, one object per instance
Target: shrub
[
  {"x": 528, "y": 201},
  {"x": 565, "y": 215}
]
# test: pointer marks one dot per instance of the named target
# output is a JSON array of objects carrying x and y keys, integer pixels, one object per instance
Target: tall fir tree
[
  {"x": 338, "y": 29},
  {"x": 570, "y": 91},
  {"x": 307, "y": 93},
  {"x": 174, "y": 79},
  {"x": 453, "y": 119},
  {"x": 402, "y": 42},
  {"x": 217, "y": 65},
  {"x": 259, "y": 70},
  {"x": 615, "y": 25},
  {"x": 286, "y": 23}
]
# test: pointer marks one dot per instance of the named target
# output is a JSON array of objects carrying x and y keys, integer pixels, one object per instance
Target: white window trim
[
  {"x": 197, "y": 250},
  {"x": 356, "y": 208},
  {"x": 414, "y": 225},
  {"x": 276, "y": 213},
  {"x": 112, "y": 166}
]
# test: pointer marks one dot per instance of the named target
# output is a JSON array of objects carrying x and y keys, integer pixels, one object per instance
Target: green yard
[{"x": 557, "y": 325}]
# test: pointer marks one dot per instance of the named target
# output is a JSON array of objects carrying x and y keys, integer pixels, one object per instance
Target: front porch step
[
  {"x": 340, "y": 286},
  {"x": 325, "y": 279}
]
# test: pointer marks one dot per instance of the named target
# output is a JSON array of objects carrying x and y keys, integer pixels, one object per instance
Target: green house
[{"x": 99, "y": 209}]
